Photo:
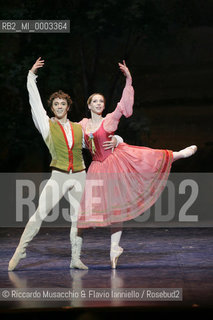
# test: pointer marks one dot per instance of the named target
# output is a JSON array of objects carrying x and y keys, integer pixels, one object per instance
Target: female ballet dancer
[
  {"x": 65, "y": 140},
  {"x": 123, "y": 184}
]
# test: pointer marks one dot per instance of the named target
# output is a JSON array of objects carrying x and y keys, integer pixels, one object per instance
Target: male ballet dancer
[{"x": 65, "y": 140}]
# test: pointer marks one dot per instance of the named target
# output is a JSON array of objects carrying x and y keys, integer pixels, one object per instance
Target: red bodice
[{"x": 99, "y": 136}]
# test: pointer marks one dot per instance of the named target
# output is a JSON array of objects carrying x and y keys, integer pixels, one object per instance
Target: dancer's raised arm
[
  {"x": 40, "y": 118},
  {"x": 125, "y": 106}
]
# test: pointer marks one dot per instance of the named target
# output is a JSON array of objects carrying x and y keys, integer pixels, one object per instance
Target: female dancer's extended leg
[
  {"x": 185, "y": 153},
  {"x": 116, "y": 230}
]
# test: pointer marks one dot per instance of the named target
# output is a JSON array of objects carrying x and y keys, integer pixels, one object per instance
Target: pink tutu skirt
[{"x": 124, "y": 185}]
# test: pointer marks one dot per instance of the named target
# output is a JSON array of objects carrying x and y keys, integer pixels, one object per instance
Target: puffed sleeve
[{"x": 124, "y": 107}]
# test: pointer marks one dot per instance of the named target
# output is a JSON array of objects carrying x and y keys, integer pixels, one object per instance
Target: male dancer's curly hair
[{"x": 61, "y": 95}]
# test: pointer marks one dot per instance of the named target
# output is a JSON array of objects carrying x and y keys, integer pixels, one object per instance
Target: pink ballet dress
[{"x": 122, "y": 184}]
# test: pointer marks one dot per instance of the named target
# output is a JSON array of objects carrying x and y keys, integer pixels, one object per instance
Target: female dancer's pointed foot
[
  {"x": 18, "y": 255},
  {"x": 115, "y": 253},
  {"x": 189, "y": 151}
]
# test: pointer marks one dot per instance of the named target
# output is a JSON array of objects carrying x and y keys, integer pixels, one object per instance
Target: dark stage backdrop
[{"x": 168, "y": 46}]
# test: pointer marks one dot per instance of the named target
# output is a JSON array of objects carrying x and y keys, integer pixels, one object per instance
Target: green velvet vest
[{"x": 64, "y": 157}]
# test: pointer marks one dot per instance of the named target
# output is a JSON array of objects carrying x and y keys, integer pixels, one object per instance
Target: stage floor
[{"x": 152, "y": 258}]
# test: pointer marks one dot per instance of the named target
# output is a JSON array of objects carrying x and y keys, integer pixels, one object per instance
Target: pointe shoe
[
  {"x": 189, "y": 151},
  {"x": 77, "y": 264},
  {"x": 18, "y": 255},
  {"x": 114, "y": 255}
]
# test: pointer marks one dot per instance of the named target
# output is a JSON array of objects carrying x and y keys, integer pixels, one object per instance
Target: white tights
[
  {"x": 184, "y": 153},
  {"x": 54, "y": 190}
]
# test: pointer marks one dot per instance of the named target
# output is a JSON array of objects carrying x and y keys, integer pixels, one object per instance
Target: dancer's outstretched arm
[
  {"x": 127, "y": 100},
  {"x": 39, "y": 115},
  {"x": 125, "y": 106}
]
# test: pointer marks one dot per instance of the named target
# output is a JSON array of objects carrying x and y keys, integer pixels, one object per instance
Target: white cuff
[
  {"x": 32, "y": 74},
  {"x": 119, "y": 139}
]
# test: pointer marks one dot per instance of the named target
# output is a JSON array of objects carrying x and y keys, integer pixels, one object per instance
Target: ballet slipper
[
  {"x": 18, "y": 255},
  {"x": 29, "y": 233},
  {"x": 76, "y": 263}
]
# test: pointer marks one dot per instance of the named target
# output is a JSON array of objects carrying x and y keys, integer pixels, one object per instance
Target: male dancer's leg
[
  {"x": 50, "y": 196},
  {"x": 75, "y": 195}
]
